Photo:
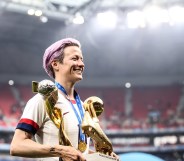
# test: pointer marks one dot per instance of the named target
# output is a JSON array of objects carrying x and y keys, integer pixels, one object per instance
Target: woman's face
[{"x": 72, "y": 66}]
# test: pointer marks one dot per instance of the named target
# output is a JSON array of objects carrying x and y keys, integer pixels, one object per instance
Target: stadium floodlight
[
  {"x": 44, "y": 19},
  {"x": 136, "y": 19},
  {"x": 107, "y": 19},
  {"x": 128, "y": 85},
  {"x": 11, "y": 82},
  {"x": 155, "y": 15},
  {"x": 38, "y": 13},
  {"x": 78, "y": 19},
  {"x": 31, "y": 12},
  {"x": 176, "y": 14}
]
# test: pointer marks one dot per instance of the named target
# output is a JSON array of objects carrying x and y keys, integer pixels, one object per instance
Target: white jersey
[{"x": 35, "y": 120}]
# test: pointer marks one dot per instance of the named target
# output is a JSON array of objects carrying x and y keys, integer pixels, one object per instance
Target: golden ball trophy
[{"x": 90, "y": 125}]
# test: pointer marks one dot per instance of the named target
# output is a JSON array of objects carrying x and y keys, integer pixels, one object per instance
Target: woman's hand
[
  {"x": 115, "y": 156},
  {"x": 68, "y": 153}
]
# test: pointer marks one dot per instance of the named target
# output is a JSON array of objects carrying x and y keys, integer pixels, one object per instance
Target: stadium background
[{"x": 134, "y": 64}]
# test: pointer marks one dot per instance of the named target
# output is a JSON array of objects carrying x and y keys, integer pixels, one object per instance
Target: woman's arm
[{"x": 23, "y": 145}]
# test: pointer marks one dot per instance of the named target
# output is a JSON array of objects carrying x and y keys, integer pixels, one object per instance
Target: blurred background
[{"x": 133, "y": 52}]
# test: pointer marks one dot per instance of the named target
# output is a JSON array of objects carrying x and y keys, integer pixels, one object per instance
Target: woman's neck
[{"x": 69, "y": 87}]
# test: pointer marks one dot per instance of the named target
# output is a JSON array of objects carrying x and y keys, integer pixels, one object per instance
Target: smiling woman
[
  {"x": 62, "y": 61},
  {"x": 71, "y": 67}
]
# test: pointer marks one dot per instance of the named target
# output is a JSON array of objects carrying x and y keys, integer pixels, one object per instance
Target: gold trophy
[
  {"x": 90, "y": 125},
  {"x": 49, "y": 91}
]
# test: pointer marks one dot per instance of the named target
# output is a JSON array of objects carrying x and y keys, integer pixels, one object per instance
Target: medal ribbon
[{"x": 79, "y": 105}]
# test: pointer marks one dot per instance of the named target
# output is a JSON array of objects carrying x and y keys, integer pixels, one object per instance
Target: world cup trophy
[
  {"x": 90, "y": 125},
  {"x": 49, "y": 91}
]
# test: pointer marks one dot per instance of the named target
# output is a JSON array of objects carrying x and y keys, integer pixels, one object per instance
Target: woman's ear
[{"x": 55, "y": 65}]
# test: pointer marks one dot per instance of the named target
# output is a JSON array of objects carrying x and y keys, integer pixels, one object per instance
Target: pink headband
[{"x": 51, "y": 52}]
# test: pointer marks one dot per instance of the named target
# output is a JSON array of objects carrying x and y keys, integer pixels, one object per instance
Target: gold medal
[{"x": 82, "y": 146}]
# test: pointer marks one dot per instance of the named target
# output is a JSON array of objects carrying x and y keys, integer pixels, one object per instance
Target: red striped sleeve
[{"x": 30, "y": 122}]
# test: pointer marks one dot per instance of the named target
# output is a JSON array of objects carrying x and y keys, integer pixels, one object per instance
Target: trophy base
[{"x": 99, "y": 157}]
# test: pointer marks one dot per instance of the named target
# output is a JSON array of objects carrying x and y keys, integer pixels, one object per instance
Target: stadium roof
[{"x": 143, "y": 53}]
